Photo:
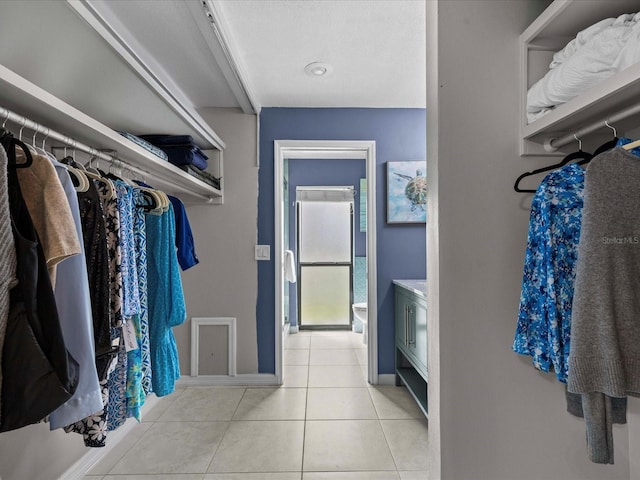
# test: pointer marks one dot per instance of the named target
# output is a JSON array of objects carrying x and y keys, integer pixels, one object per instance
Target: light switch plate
[{"x": 263, "y": 252}]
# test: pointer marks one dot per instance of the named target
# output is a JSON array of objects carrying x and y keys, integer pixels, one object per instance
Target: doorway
[
  {"x": 291, "y": 150},
  {"x": 324, "y": 230}
]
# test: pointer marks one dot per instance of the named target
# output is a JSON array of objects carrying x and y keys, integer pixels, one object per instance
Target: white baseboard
[
  {"x": 242, "y": 380},
  {"x": 79, "y": 469},
  {"x": 387, "y": 379}
]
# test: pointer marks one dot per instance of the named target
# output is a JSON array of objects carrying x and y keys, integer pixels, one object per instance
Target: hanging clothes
[
  {"x": 139, "y": 381},
  {"x": 166, "y": 300},
  {"x": 49, "y": 209},
  {"x": 94, "y": 426},
  {"x": 605, "y": 343},
  {"x": 544, "y": 318},
  {"x": 187, "y": 256},
  {"x": 608, "y": 256},
  {"x": 8, "y": 259},
  {"x": 97, "y": 256},
  {"x": 140, "y": 235},
  {"x": 74, "y": 308},
  {"x": 130, "y": 293},
  {"x": 39, "y": 374}
]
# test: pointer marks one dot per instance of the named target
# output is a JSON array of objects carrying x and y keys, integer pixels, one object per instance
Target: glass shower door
[{"x": 325, "y": 250}]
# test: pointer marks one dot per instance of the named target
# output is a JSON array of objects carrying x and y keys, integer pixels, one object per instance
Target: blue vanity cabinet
[{"x": 411, "y": 339}]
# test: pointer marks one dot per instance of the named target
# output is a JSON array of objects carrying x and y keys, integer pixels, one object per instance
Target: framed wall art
[{"x": 407, "y": 192}]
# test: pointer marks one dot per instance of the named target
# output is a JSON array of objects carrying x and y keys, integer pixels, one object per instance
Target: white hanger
[{"x": 95, "y": 175}]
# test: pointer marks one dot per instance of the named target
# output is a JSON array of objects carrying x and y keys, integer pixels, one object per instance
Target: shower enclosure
[{"x": 325, "y": 249}]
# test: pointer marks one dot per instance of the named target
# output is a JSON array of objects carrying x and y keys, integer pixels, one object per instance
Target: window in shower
[{"x": 325, "y": 248}]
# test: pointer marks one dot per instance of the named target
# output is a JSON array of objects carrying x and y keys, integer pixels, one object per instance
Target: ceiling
[{"x": 252, "y": 53}]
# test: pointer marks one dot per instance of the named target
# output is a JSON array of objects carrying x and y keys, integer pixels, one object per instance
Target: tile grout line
[
  {"x": 215, "y": 451},
  {"x": 306, "y": 405}
]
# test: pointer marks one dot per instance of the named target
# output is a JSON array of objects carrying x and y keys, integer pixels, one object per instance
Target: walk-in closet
[{"x": 162, "y": 164}]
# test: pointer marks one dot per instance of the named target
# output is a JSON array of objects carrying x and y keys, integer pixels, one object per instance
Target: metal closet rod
[
  {"x": 24, "y": 122},
  {"x": 552, "y": 144}
]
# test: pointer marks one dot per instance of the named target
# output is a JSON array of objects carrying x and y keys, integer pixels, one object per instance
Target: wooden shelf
[
  {"x": 549, "y": 33},
  {"x": 31, "y": 101}
]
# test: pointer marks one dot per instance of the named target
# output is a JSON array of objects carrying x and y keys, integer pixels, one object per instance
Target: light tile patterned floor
[{"x": 325, "y": 423}]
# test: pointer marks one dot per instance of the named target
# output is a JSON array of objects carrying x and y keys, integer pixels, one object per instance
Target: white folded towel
[{"x": 289, "y": 266}]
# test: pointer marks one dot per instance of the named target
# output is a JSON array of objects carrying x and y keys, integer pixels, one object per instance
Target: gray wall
[
  {"x": 499, "y": 419},
  {"x": 225, "y": 282},
  {"x": 35, "y": 453}
]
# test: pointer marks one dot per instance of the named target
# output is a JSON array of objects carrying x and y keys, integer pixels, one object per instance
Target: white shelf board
[
  {"x": 557, "y": 25},
  {"x": 150, "y": 72},
  {"x": 597, "y": 104},
  {"x": 87, "y": 64},
  {"x": 31, "y": 101},
  {"x": 567, "y": 17}
]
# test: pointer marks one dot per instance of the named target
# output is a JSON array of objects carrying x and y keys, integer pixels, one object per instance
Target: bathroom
[
  {"x": 399, "y": 135},
  {"x": 334, "y": 190}
]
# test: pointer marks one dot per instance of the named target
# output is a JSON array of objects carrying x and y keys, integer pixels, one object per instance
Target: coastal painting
[{"x": 407, "y": 192}]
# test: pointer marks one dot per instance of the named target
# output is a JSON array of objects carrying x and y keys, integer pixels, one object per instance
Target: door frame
[{"x": 335, "y": 150}]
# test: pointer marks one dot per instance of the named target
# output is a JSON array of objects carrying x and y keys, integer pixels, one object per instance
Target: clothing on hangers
[
  {"x": 74, "y": 308},
  {"x": 185, "y": 245},
  {"x": 167, "y": 307},
  {"x": 544, "y": 319},
  {"x": 103, "y": 284},
  {"x": 39, "y": 374},
  {"x": 8, "y": 261},
  {"x": 605, "y": 351},
  {"x": 49, "y": 209}
]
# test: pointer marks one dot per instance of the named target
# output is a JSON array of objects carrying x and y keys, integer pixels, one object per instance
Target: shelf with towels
[{"x": 31, "y": 101}]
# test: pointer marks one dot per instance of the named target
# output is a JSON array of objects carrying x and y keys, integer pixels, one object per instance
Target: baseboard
[
  {"x": 79, "y": 469},
  {"x": 242, "y": 380},
  {"x": 293, "y": 329},
  {"x": 387, "y": 379}
]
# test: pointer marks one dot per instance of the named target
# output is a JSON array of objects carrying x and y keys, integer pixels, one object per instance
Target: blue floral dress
[{"x": 544, "y": 319}]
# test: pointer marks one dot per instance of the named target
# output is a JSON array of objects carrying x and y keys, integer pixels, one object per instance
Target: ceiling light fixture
[{"x": 318, "y": 69}]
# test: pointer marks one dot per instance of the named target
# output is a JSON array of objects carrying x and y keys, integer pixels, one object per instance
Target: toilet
[{"x": 360, "y": 312}]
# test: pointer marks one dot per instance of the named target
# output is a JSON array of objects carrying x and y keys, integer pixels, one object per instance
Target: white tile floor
[{"x": 324, "y": 423}]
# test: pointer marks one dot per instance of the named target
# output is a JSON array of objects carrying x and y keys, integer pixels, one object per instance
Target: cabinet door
[
  {"x": 418, "y": 332},
  {"x": 401, "y": 320}
]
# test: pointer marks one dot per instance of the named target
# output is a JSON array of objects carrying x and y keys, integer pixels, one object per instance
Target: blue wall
[
  {"x": 400, "y": 134},
  {"x": 326, "y": 173}
]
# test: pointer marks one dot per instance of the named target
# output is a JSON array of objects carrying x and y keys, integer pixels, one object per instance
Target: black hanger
[
  {"x": 9, "y": 142},
  {"x": 581, "y": 155},
  {"x": 607, "y": 145}
]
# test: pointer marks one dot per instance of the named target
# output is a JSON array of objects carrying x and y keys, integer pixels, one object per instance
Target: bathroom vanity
[{"x": 411, "y": 338}]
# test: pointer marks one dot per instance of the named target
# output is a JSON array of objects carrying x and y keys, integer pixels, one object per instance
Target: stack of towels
[{"x": 179, "y": 150}]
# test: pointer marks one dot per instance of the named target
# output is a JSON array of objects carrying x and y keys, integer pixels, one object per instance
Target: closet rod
[
  {"x": 552, "y": 144},
  {"x": 24, "y": 122}
]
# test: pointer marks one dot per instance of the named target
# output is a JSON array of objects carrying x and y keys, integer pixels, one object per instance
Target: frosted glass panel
[
  {"x": 325, "y": 232},
  {"x": 325, "y": 295}
]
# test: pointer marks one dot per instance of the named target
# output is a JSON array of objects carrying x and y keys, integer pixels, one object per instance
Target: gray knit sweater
[
  {"x": 7, "y": 253},
  {"x": 605, "y": 323}
]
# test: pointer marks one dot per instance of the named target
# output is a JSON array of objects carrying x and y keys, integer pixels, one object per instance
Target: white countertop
[{"x": 417, "y": 286}]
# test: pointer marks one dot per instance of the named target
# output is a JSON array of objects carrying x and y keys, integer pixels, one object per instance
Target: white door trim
[{"x": 327, "y": 149}]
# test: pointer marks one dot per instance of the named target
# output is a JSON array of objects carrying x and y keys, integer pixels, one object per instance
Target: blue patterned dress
[
  {"x": 139, "y": 372},
  {"x": 544, "y": 319},
  {"x": 126, "y": 208}
]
